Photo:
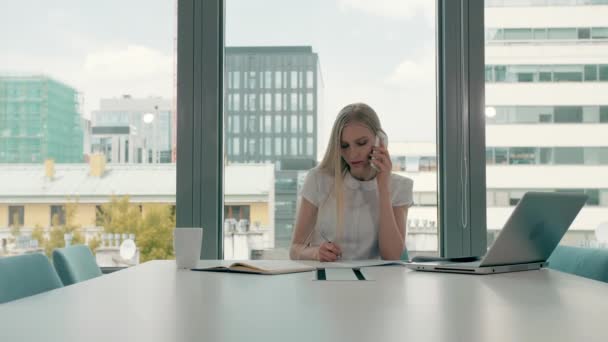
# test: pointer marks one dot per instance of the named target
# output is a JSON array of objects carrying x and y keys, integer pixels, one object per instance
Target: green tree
[
  {"x": 155, "y": 235},
  {"x": 153, "y": 231},
  {"x": 57, "y": 231}
]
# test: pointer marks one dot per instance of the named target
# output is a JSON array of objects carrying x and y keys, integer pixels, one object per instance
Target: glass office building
[
  {"x": 271, "y": 103},
  {"x": 39, "y": 119},
  {"x": 272, "y": 109}
]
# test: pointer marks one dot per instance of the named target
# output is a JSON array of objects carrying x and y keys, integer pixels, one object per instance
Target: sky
[{"x": 380, "y": 52}]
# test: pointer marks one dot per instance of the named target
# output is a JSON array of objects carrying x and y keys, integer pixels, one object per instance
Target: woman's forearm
[
  {"x": 303, "y": 252},
  {"x": 391, "y": 238}
]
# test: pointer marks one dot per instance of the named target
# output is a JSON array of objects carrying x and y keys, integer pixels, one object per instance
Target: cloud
[
  {"x": 130, "y": 62},
  {"x": 395, "y": 9},
  {"x": 411, "y": 73}
]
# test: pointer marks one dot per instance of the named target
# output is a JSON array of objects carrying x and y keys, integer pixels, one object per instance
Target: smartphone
[{"x": 380, "y": 137}]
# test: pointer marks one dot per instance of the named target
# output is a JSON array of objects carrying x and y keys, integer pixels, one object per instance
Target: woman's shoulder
[
  {"x": 400, "y": 181},
  {"x": 319, "y": 173}
]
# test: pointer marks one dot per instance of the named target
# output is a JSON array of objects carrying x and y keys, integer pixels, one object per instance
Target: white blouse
[{"x": 361, "y": 211}]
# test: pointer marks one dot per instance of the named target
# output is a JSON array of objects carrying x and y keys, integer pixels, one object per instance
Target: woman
[{"x": 349, "y": 209}]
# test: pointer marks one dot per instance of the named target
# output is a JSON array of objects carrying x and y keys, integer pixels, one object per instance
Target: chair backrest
[
  {"x": 75, "y": 264},
  {"x": 405, "y": 255},
  {"x": 26, "y": 275},
  {"x": 586, "y": 262}
]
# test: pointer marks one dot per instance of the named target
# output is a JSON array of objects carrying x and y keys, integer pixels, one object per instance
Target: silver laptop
[{"x": 526, "y": 241}]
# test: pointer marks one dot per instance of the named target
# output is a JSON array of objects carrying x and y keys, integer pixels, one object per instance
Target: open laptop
[{"x": 526, "y": 241}]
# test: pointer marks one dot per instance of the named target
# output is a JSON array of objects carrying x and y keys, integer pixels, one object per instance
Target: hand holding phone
[{"x": 380, "y": 138}]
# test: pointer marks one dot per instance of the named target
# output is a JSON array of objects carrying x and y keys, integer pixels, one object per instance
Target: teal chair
[
  {"x": 405, "y": 256},
  {"x": 75, "y": 264},
  {"x": 26, "y": 275},
  {"x": 585, "y": 262}
]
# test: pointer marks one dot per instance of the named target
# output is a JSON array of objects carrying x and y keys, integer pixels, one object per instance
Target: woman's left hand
[{"x": 382, "y": 161}]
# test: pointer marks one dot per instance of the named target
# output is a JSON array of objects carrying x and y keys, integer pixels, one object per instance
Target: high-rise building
[
  {"x": 133, "y": 130},
  {"x": 546, "y": 86},
  {"x": 546, "y": 117},
  {"x": 272, "y": 107},
  {"x": 39, "y": 119},
  {"x": 272, "y": 103}
]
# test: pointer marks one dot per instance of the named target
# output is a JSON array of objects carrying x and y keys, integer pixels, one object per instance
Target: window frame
[{"x": 460, "y": 124}]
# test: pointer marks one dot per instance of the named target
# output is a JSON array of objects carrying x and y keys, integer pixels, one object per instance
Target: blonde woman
[{"x": 349, "y": 209}]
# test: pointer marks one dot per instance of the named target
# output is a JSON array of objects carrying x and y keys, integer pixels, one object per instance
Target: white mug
[{"x": 187, "y": 246}]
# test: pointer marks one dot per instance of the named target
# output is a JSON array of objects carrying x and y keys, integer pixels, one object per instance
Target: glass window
[
  {"x": 540, "y": 34},
  {"x": 268, "y": 79},
  {"x": 591, "y": 155},
  {"x": 310, "y": 80},
  {"x": 294, "y": 124},
  {"x": 309, "y": 124},
  {"x": 277, "y": 146},
  {"x": 16, "y": 215},
  {"x": 70, "y": 92},
  {"x": 235, "y": 146},
  {"x": 267, "y": 146},
  {"x": 522, "y": 155},
  {"x": 590, "y": 72},
  {"x": 518, "y": 34},
  {"x": 489, "y": 155},
  {"x": 268, "y": 102},
  {"x": 309, "y": 146},
  {"x": 546, "y": 155},
  {"x": 267, "y": 123},
  {"x": 309, "y": 102},
  {"x": 294, "y": 146},
  {"x": 562, "y": 33},
  {"x": 569, "y": 155},
  {"x": 237, "y": 101},
  {"x": 584, "y": 33},
  {"x": 294, "y": 79},
  {"x": 236, "y": 122},
  {"x": 566, "y": 114},
  {"x": 568, "y": 73},
  {"x": 237, "y": 79},
  {"x": 604, "y": 114},
  {"x": 57, "y": 215},
  {"x": 304, "y": 104},
  {"x": 294, "y": 102},
  {"x": 500, "y": 155},
  {"x": 603, "y": 72},
  {"x": 599, "y": 33},
  {"x": 591, "y": 114}
]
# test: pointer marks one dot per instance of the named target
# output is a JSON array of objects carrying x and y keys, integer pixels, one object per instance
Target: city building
[
  {"x": 273, "y": 97},
  {"x": 33, "y": 193},
  {"x": 133, "y": 130},
  {"x": 547, "y": 110},
  {"x": 40, "y": 118}
]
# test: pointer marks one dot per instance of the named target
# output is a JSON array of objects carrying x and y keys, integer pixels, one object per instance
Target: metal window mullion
[{"x": 461, "y": 135}]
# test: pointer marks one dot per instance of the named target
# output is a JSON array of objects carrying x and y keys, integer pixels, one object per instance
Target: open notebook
[
  {"x": 253, "y": 266},
  {"x": 283, "y": 266}
]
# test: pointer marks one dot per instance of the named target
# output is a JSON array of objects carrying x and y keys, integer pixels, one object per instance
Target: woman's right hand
[{"x": 329, "y": 252}]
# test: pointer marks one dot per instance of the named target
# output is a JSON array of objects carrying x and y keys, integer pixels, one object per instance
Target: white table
[{"x": 155, "y": 302}]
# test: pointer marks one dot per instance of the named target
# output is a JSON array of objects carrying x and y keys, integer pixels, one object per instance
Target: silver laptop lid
[{"x": 535, "y": 227}]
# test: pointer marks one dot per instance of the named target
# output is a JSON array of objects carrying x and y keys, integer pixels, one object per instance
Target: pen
[{"x": 328, "y": 241}]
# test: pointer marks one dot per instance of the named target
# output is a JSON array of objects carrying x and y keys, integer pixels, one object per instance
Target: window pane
[
  {"x": 517, "y": 34},
  {"x": 590, "y": 72},
  {"x": 314, "y": 74},
  {"x": 544, "y": 136},
  {"x": 568, "y": 114},
  {"x": 88, "y": 127}
]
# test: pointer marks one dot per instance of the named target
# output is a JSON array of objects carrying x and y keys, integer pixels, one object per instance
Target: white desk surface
[{"x": 156, "y": 302}]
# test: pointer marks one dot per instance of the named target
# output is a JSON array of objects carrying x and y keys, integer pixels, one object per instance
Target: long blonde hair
[{"x": 333, "y": 163}]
